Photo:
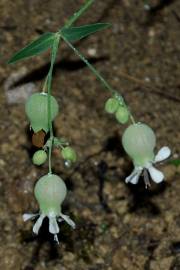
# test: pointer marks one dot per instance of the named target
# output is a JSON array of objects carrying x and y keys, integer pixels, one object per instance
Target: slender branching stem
[{"x": 99, "y": 77}]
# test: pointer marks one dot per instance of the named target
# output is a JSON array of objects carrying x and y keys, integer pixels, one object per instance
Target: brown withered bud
[{"x": 38, "y": 139}]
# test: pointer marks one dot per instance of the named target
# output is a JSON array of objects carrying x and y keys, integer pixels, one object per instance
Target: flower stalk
[{"x": 100, "y": 78}]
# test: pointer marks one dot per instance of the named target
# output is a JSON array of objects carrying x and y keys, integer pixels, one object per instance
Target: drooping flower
[
  {"x": 50, "y": 191},
  {"x": 139, "y": 141}
]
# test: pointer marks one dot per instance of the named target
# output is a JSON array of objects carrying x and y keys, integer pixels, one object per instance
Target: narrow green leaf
[
  {"x": 175, "y": 162},
  {"x": 36, "y": 47},
  {"x": 77, "y": 33}
]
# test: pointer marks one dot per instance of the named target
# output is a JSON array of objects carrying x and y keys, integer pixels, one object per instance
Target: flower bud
[
  {"x": 39, "y": 157},
  {"x": 69, "y": 154},
  {"x": 37, "y": 111},
  {"x": 111, "y": 105},
  {"x": 122, "y": 115},
  {"x": 50, "y": 191},
  {"x": 139, "y": 141}
]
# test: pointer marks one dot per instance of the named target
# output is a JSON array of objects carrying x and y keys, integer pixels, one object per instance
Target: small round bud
[
  {"x": 122, "y": 115},
  {"x": 39, "y": 157},
  {"x": 50, "y": 191},
  {"x": 111, "y": 105},
  {"x": 69, "y": 154},
  {"x": 37, "y": 111},
  {"x": 139, "y": 141}
]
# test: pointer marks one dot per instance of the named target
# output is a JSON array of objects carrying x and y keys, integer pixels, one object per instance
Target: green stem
[
  {"x": 97, "y": 74},
  {"x": 49, "y": 82},
  {"x": 70, "y": 21},
  {"x": 77, "y": 14},
  {"x": 99, "y": 77},
  {"x": 45, "y": 85}
]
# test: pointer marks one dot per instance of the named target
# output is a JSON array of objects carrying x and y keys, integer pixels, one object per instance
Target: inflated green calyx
[
  {"x": 50, "y": 191},
  {"x": 139, "y": 141},
  {"x": 37, "y": 111}
]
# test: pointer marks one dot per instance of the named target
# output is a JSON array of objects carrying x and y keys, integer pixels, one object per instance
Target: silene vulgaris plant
[{"x": 138, "y": 140}]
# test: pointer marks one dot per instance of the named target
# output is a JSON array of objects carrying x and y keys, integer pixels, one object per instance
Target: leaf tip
[{"x": 9, "y": 62}]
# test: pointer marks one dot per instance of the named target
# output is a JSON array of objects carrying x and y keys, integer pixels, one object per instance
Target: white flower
[
  {"x": 53, "y": 225},
  {"x": 50, "y": 191},
  {"x": 156, "y": 175},
  {"x": 139, "y": 142}
]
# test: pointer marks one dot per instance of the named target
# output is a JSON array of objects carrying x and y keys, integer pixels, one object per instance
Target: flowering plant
[{"x": 41, "y": 108}]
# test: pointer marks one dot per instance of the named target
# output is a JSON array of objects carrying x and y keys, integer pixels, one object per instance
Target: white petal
[
  {"x": 134, "y": 176},
  {"x": 162, "y": 154},
  {"x": 38, "y": 224},
  {"x": 53, "y": 226},
  {"x": 156, "y": 175},
  {"x": 29, "y": 216},
  {"x": 68, "y": 220}
]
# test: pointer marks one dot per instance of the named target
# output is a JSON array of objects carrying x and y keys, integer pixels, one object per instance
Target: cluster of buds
[
  {"x": 37, "y": 112},
  {"x": 116, "y": 105}
]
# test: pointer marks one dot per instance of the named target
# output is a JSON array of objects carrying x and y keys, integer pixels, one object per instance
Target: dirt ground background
[{"x": 119, "y": 226}]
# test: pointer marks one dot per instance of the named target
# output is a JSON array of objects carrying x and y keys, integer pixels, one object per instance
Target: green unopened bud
[
  {"x": 39, "y": 157},
  {"x": 122, "y": 115},
  {"x": 139, "y": 141},
  {"x": 111, "y": 105},
  {"x": 37, "y": 111},
  {"x": 50, "y": 191},
  {"x": 69, "y": 154}
]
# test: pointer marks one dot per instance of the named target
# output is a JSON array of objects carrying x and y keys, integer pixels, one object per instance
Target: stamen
[{"x": 146, "y": 179}]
